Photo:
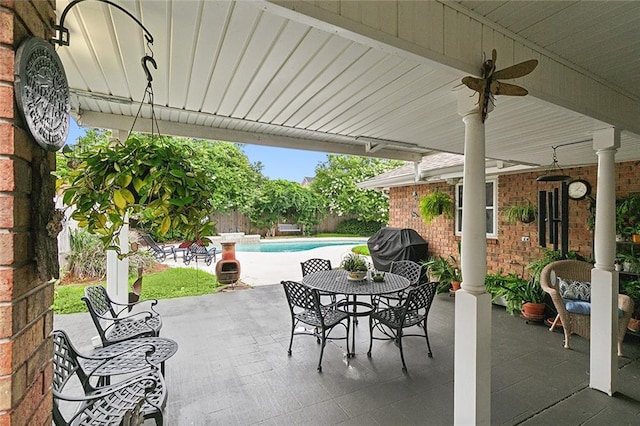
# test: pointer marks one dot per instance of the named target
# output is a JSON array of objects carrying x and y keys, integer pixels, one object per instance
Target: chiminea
[{"x": 228, "y": 268}]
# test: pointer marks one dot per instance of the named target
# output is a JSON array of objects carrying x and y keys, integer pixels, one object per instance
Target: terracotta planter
[
  {"x": 533, "y": 311},
  {"x": 455, "y": 285},
  {"x": 635, "y": 238},
  {"x": 634, "y": 325}
]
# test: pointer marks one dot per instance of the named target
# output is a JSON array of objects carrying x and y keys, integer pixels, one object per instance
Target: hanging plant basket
[{"x": 435, "y": 204}]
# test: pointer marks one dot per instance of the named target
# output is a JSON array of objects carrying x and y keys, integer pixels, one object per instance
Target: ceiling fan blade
[
  {"x": 494, "y": 56},
  {"x": 473, "y": 83},
  {"x": 499, "y": 88},
  {"x": 517, "y": 70}
]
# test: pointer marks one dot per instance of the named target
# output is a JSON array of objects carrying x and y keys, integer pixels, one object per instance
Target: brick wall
[
  {"x": 26, "y": 318},
  {"x": 508, "y": 252}
]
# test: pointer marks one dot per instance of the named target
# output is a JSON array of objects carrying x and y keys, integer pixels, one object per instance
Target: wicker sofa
[{"x": 574, "y": 323}]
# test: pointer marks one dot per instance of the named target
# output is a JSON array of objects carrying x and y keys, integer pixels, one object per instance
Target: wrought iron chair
[
  {"x": 141, "y": 395},
  {"x": 316, "y": 265},
  {"x": 409, "y": 269},
  {"x": 120, "y": 325},
  {"x": 159, "y": 252},
  {"x": 305, "y": 307},
  {"x": 413, "y": 311},
  {"x": 197, "y": 252},
  {"x": 574, "y": 322}
]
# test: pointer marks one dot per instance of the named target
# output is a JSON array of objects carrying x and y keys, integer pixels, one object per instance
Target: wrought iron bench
[
  {"x": 141, "y": 396},
  {"x": 120, "y": 325},
  {"x": 197, "y": 252},
  {"x": 288, "y": 227}
]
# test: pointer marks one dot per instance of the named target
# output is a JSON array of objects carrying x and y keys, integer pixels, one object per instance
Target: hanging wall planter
[
  {"x": 435, "y": 204},
  {"x": 525, "y": 213}
]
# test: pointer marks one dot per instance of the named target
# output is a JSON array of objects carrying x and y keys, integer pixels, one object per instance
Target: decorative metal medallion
[{"x": 42, "y": 93}]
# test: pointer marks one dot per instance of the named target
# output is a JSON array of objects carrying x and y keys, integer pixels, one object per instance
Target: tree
[
  {"x": 336, "y": 181},
  {"x": 281, "y": 201},
  {"x": 232, "y": 177},
  {"x": 152, "y": 179}
]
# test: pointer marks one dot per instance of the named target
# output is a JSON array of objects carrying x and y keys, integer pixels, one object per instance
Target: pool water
[{"x": 281, "y": 247}]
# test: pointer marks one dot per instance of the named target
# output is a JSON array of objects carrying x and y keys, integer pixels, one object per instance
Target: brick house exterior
[
  {"x": 508, "y": 252},
  {"x": 26, "y": 319}
]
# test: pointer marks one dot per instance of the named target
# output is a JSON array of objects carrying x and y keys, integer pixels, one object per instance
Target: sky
[{"x": 278, "y": 163}]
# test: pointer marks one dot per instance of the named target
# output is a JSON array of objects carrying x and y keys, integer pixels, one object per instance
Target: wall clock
[
  {"x": 42, "y": 93},
  {"x": 578, "y": 189}
]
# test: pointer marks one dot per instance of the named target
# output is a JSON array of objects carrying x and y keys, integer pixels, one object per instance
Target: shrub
[
  {"x": 88, "y": 259},
  {"x": 360, "y": 228}
]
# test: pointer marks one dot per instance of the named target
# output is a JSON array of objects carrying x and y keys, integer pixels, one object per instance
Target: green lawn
[{"x": 173, "y": 282}]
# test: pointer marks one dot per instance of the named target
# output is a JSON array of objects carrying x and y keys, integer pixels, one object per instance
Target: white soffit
[{"x": 326, "y": 74}]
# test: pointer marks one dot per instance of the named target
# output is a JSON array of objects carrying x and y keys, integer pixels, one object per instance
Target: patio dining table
[{"x": 336, "y": 281}]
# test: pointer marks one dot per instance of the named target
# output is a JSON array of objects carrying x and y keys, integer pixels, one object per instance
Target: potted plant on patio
[
  {"x": 355, "y": 265},
  {"x": 444, "y": 271},
  {"x": 435, "y": 204},
  {"x": 632, "y": 289}
]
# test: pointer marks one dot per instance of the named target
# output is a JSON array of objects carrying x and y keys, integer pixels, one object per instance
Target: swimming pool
[{"x": 288, "y": 246}]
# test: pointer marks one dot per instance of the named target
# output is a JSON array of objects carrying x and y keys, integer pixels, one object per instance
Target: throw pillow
[{"x": 576, "y": 290}]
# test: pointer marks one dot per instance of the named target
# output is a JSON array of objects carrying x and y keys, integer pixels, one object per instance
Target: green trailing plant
[
  {"x": 354, "y": 262},
  {"x": 435, "y": 204},
  {"x": 153, "y": 180},
  {"x": 525, "y": 213}
]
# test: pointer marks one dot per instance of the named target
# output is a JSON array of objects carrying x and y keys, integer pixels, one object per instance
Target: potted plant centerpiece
[{"x": 355, "y": 265}]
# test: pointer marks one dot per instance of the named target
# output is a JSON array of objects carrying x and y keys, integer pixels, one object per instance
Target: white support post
[
  {"x": 604, "y": 279},
  {"x": 472, "y": 363},
  {"x": 118, "y": 270}
]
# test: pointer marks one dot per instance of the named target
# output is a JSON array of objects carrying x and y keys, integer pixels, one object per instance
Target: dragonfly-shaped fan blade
[
  {"x": 499, "y": 88},
  {"x": 473, "y": 83},
  {"x": 517, "y": 70}
]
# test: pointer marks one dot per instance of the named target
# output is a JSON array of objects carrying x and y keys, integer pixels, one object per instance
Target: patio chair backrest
[
  {"x": 409, "y": 269},
  {"x": 315, "y": 265},
  {"x": 421, "y": 297},
  {"x": 97, "y": 300},
  {"x": 149, "y": 241},
  {"x": 301, "y": 296},
  {"x": 65, "y": 362}
]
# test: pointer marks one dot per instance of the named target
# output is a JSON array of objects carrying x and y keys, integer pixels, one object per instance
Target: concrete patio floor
[{"x": 232, "y": 368}]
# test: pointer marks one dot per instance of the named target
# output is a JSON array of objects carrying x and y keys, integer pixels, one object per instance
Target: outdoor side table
[
  {"x": 336, "y": 281},
  {"x": 132, "y": 358}
]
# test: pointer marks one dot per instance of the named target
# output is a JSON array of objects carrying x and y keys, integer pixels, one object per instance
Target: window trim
[{"x": 494, "y": 207}]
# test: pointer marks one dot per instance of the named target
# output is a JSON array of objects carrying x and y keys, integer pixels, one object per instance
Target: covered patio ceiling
[{"x": 364, "y": 78}]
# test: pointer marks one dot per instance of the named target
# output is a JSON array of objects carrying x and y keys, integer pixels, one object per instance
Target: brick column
[{"x": 25, "y": 300}]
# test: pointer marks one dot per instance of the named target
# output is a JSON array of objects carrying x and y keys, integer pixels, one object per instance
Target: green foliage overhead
[
  {"x": 282, "y": 201},
  {"x": 155, "y": 180},
  {"x": 336, "y": 181}
]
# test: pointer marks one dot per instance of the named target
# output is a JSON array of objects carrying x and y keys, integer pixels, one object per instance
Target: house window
[{"x": 491, "y": 208}]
